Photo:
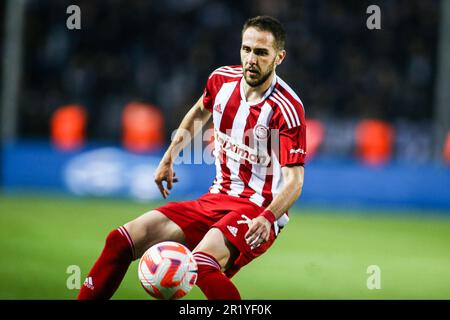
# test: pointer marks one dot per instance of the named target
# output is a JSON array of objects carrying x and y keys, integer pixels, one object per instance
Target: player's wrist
[
  {"x": 269, "y": 215},
  {"x": 168, "y": 157}
]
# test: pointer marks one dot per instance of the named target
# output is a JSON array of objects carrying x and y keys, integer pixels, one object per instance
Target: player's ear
[{"x": 280, "y": 57}]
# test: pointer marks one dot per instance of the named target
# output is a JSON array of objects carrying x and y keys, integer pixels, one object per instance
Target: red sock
[
  {"x": 213, "y": 283},
  {"x": 110, "y": 268}
]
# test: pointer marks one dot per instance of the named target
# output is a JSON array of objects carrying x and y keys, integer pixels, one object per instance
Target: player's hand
[
  {"x": 165, "y": 172},
  {"x": 258, "y": 232}
]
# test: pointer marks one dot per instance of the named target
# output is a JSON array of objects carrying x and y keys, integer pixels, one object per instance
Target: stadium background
[{"x": 86, "y": 115}]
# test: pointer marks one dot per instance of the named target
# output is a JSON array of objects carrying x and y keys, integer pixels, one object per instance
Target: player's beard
[{"x": 255, "y": 82}]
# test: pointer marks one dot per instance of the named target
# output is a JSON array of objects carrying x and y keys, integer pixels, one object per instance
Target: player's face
[{"x": 259, "y": 56}]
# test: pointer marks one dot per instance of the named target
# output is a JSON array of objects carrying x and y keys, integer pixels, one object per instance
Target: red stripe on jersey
[{"x": 267, "y": 189}]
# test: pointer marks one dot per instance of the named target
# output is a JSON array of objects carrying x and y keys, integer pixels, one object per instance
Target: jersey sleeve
[
  {"x": 208, "y": 94},
  {"x": 291, "y": 136},
  {"x": 292, "y": 145}
]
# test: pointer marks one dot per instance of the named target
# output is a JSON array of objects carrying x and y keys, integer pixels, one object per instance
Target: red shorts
[{"x": 221, "y": 211}]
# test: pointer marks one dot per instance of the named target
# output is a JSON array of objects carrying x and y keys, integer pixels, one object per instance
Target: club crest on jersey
[
  {"x": 218, "y": 108},
  {"x": 261, "y": 132}
]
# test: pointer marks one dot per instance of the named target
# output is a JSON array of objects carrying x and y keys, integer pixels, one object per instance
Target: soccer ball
[{"x": 167, "y": 270}]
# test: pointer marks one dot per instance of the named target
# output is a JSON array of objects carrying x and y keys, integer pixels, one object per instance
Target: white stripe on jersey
[
  {"x": 277, "y": 180},
  {"x": 291, "y": 92},
  {"x": 258, "y": 178},
  {"x": 237, "y": 135},
  {"x": 277, "y": 183},
  {"x": 289, "y": 110},
  {"x": 294, "y": 111},
  {"x": 283, "y": 111},
  {"x": 230, "y": 75},
  {"x": 237, "y": 70},
  {"x": 222, "y": 98}
]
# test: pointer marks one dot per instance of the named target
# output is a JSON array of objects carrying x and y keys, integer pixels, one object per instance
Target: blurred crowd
[{"x": 161, "y": 52}]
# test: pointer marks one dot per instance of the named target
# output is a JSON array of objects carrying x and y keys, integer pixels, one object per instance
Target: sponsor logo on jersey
[
  {"x": 298, "y": 151},
  {"x": 239, "y": 151}
]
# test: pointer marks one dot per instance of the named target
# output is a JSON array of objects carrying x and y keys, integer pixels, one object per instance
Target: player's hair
[{"x": 270, "y": 24}]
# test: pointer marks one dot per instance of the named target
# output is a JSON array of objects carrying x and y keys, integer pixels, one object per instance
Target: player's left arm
[{"x": 259, "y": 230}]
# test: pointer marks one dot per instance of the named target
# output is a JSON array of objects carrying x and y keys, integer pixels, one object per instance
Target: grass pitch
[{"x": 320, "y": 254}]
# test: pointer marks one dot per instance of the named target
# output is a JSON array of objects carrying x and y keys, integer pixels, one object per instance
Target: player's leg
[
  {"x": 122, "y": 246},
  {"x": 151, "y": 228},
  {"x": 213, "y": 255},
  {"x": 223, "y": 251}
]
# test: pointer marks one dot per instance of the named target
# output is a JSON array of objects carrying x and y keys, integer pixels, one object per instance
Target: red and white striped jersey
[{"x": 253, "y": 140}]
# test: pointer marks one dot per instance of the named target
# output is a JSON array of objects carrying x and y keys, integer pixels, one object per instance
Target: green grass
[{"x": 319, "y": 255}]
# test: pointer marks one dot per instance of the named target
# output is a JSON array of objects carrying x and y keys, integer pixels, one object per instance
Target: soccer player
[{"x": 259, "y": 149}]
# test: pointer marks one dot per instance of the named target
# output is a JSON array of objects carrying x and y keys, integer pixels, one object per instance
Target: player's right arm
[{"x": 192, "y": 122}]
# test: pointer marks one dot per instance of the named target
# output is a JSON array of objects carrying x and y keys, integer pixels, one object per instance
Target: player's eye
[
  {"x": 261, "y": 52},
  {"x": 246, "y": 49}
]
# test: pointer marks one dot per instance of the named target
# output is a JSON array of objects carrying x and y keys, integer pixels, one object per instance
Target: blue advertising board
[{"x": 106, "y": 171}]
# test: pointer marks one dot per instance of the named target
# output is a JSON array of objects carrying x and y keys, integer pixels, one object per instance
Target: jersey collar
[{"x": 266, "y": 94}]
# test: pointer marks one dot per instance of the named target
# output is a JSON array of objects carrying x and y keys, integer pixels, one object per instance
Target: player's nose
[{"x": 251, "y": 59}]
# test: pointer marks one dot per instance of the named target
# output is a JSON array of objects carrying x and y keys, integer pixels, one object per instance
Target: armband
[{"x": 269, "y": 216}]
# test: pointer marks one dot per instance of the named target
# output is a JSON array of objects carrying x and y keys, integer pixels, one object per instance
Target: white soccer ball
[{"x": 167, "y": 270}]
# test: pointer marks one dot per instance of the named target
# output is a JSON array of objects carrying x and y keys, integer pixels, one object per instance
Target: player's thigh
[
  {"x": 150, "y": 228},
  {"x": 217, "y": 245}
]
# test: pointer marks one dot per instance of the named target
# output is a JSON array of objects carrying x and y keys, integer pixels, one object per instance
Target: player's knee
[
  {"x": 141, "y": 227},
  {"x": 150, "y": 228},
  {"x": 215, "y": 244}
]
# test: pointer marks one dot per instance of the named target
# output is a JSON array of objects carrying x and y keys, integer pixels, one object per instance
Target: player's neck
[{"x": 256, "y": 94}]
